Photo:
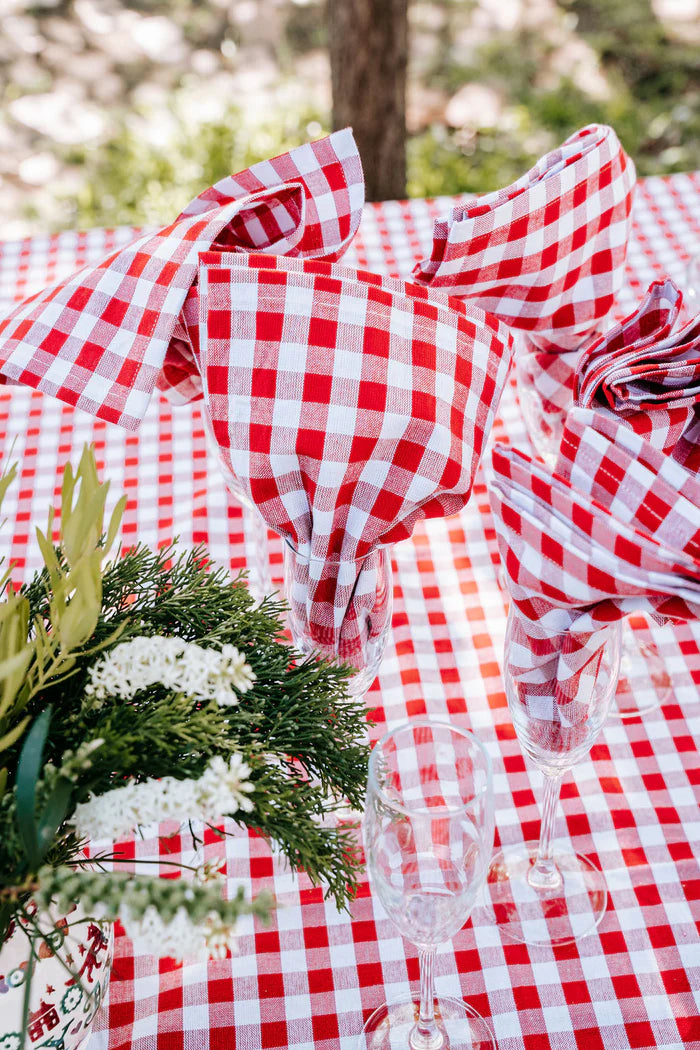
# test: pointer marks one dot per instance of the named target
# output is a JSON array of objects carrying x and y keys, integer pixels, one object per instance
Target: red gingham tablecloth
[{"x": 311, "y": 978}]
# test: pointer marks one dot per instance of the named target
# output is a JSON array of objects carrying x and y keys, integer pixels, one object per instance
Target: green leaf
[
  {"x": 29, "y": 973},
  {"x": 79, "y": 618},
  {"x": 115, "y": 522},
  {"x": 13, "y": 672},
  {"x": 28, "y": 770},
  {"x": 13, "y": 735},
  {"x": 53, "y": 814},
  {"x": 6, "y": 480}
]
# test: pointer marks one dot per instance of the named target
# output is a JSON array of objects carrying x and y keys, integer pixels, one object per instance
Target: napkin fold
[
  {"x": 349, "y": 406},
  {"x": 546, "y": 254},
  {"x": 646, "y": 370},
  {"x": 100, "y": 339},
  {"x": 613, "y": 529}
]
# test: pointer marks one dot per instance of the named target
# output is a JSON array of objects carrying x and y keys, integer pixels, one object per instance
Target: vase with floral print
[{"x": 67, "y": 982}]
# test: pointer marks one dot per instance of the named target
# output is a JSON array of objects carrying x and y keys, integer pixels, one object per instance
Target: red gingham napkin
[
  {"x": 646, "y": 369},
  {"x": 349, "y": 406},
  {"x": 100, "y": 339},
  {"x": 546, "y": 254},
  {"x": 613, "y": 529}
]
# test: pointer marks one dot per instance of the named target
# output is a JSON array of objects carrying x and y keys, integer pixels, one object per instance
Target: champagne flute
[
  {"x": 558, "y": 698},
  {"x": 254, "y": 525},
  {"x": 367, "y": 582},
  {"x": 644, "y": 683},
  {"x": 428, "y": 832}
]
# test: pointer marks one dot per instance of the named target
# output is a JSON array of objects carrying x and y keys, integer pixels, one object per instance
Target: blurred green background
[{"x": 119, "y": 111}]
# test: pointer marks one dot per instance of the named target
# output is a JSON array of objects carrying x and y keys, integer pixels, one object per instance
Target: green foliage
[
  {"x": 131, "y": 181},
  {"x": 297, "y": 727},
  {"x": 653, "y": 101}
]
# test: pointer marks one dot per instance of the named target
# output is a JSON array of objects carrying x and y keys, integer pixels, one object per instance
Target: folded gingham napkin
[
  {"x": 646, "y": 369},
  {"x": 546, "y": 254},
  {"x": 101, "y": 339},
  {"x": 613, "y": 529},
  {"x": 349, "y": 406}
]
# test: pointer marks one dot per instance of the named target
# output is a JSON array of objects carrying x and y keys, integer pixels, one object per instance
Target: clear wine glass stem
[
  {"x": 426, "y": 1035},
  {"x": 255, "y": 534},
  {"x": 544, "y": 874}
]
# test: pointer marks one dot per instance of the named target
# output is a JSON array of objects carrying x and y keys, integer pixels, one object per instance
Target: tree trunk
[{"x": 369, "y": 49}]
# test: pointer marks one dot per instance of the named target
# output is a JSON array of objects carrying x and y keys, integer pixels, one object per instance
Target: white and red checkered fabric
[
  {"x": 99, "y": 339},
  {"x": 646, "y": 369},
  {"x": 349, "y": 407},
  {"x": 546, "y": 254},
  {"x": 613, "y": 529},
  {"x": 313, "y": 976},
  {"x": 330, "y": 174}
]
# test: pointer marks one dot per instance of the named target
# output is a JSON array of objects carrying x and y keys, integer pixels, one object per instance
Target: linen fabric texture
[
  {"x": 613, "y": 529},
  {"x": 101, "y": 339},
  {"x": 546, "y": 254},
  {"x": 349, "y": 406},
  {"x": 646, "y": 370}
]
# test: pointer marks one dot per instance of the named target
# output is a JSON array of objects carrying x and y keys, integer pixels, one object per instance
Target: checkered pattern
[
  {"x": 646, "y": 369},
  {"x": 348, "y": 411},
  {"x": 330, "y": 174},
  {"x": 615, "y": 529},
  {"x": 99, "y": 339},
  {"x": 440, "y": 838},
  {"x": 312, "y": 977},
  {"x": 546, "y": 254}
]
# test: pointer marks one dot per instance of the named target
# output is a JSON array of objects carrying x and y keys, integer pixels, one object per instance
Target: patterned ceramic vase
[{"x": 68, "y": 984}]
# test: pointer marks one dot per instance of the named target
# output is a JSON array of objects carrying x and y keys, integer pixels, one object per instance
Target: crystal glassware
[
  {"x": 428, "y": 832},
  {"x": 254, "y": 525},
  {"x": 368, "y": 584},
  {"x": 559, "y": 692},
  {"x": 644, "y": 683}
]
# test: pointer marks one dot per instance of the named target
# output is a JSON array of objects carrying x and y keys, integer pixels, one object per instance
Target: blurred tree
[{"x": 368, "y": 42}]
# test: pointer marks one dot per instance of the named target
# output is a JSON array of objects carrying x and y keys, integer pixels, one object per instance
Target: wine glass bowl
[
  {"x": 545, "y": 398},
  {"x": 254, "y": 525},
  {"x": 559, "y": 692},
  {"x": 367, "y": 583},
  {"x": 544, "y": 418},
  {"x": 428, "y": 832}
]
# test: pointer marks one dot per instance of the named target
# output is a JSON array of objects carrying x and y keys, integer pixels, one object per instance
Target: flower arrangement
[{"x": 141, "y": 687}]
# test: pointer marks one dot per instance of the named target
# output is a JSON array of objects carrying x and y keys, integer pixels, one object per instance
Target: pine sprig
[{"x": 298, "y": 714}]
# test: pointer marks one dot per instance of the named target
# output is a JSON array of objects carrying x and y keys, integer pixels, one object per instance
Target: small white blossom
[
  {"x": 222, "y": 790},
  {"x": 185, "y": 667},
  {"x": 180, "y": 937},
  {"x": 224, "y": 784},
  {"x": 73, "y": 763}
]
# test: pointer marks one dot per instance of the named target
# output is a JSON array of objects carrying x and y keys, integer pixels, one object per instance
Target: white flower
[
  {"x": 185, "y": 667},
  {"x": 224, "y": 787},
  {"x": 222, "y": 790},
  {"x": 73, "y": 763},
  {"x": 181, "y": 937}
]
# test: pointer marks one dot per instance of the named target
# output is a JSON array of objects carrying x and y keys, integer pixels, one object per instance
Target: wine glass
[
  {"x": 367, "y": 588},
  {"x": 559, "y": 692},
  {"x": 644, "y": 683},
  {"x": 428, "y": 831},
  {"x": 254, "y": 525}
]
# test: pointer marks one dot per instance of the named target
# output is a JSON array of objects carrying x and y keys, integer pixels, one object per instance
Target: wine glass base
[
  {"x": 561, "y": 915},
  {"x": 390, "y": 1027},
  {"x": 644, "y": 683}
]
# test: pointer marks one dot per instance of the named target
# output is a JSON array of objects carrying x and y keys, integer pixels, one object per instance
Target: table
[{"x": 314, "y": 975}]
